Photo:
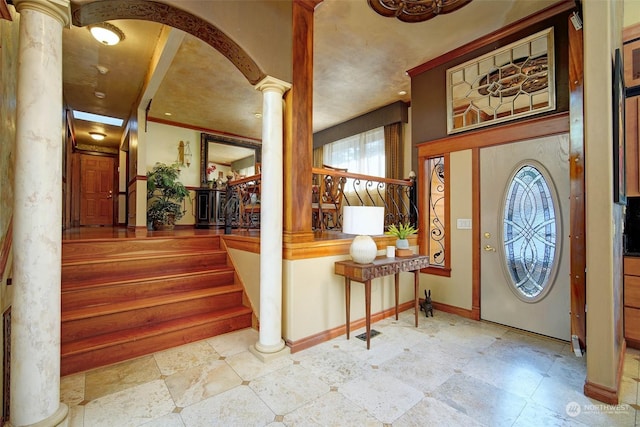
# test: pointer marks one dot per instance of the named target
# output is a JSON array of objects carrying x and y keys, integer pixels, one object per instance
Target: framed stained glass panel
[{"x": 517, "y": 80}]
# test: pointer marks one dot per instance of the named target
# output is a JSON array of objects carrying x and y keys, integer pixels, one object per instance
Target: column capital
[
  {"x": 57, "y": 9},
  {"x": 272, "y": 84}
]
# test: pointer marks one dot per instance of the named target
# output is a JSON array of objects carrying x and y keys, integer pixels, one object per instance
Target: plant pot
[{"x": 402, "y": 244}]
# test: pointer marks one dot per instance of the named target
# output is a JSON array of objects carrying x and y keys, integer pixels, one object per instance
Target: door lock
[{"x": 489, "y": 248}]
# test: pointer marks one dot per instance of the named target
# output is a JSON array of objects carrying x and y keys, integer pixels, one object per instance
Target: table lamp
[{"x": 365, "y": 221}]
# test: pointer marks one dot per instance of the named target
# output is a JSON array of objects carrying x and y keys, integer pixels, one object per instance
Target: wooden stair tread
[
  {"x": 145, "y": 255},
  {"x": 145, "y": 278},
  {"x": 119, "y": 337},
  {"x": 137, "y": 304}
]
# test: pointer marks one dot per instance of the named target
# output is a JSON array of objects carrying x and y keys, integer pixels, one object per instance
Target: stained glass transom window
[
  {"x": 530, "y": 230},
  {"x": 514, "y": 81}
]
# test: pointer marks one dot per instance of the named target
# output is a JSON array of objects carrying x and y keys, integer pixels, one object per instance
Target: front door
[
  {"x": 96, "y": 194},
  {"x": 524, "y": 237}
]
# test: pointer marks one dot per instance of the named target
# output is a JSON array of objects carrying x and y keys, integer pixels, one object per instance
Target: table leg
[
  {"x": 397, "y": 278},
  {"x": 416, "y": 283},
  {"x": 347, "y": 297},
  {"x": 367, "y": 303}
]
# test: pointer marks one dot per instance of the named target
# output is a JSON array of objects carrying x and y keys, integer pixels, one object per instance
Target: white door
[{"x": 524, "y": 236}]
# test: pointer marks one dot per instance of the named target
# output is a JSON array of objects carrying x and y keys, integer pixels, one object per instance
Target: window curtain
[
  {"x": 317, "y": 157},
  {"x": 362, "y": 153},
  {"x": 394, "y": 153}
]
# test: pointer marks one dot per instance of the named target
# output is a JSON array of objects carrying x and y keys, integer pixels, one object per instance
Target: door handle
[{"x": 489, "y": 248}]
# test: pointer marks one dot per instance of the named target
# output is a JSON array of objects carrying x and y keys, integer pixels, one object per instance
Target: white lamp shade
[{"x": 363, "y": 220}]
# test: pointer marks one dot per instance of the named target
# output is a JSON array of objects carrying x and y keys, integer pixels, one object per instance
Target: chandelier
[{"x": 415, "y": 10}]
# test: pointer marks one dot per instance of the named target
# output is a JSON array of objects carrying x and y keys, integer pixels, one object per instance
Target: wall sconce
[
  {"x": 184, "y": 153},
  {"x": 365, "y": 221}
]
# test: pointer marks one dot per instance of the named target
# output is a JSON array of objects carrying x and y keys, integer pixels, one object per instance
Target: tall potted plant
[{"x": 164, "y": 196}]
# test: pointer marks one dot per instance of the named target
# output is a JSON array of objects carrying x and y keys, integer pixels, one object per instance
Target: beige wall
[
  {"x": 457, "y": 289},
  {"x": 602, "y": 35}
]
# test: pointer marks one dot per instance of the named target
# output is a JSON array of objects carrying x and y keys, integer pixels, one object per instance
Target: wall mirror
[
  {"x": 228, "y": 154},
  {"x": 514, "y": 81}
]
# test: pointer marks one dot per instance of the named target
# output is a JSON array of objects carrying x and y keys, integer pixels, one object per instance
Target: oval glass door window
[{"x": 531, "y": 225}]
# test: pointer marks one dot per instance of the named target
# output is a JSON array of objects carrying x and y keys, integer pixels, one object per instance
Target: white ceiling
[{"x": 360, "y": 64}]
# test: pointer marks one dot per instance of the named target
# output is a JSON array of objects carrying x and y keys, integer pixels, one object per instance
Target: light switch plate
[{"x": 464, "y": 224}]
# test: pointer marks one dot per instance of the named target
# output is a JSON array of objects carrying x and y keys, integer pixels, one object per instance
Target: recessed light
[
  {"x": 167, "y": 114},
  {"x": 258, "y": 115},
  {"x": 97, "y": 136},
  {"x": 402, "y": 93},
  {"x": 100, "y": 95}
]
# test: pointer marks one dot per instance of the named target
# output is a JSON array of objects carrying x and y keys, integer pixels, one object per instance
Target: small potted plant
[
  {"x": 164, "y": 195},
  {"x": 401, "y": 231}
]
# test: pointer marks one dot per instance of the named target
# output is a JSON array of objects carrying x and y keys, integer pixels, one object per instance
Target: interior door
[
  {"x": 524, "y": 238},
  {"x": 96, "y": 190}
]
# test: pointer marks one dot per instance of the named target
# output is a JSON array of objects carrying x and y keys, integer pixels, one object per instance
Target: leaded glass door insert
[{"x": 530, "y": 229}]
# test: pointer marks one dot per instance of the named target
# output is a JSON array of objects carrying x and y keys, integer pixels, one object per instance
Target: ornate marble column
[
  {"x": 270, "y": 342},
  {"x": 37, "y": 220}
]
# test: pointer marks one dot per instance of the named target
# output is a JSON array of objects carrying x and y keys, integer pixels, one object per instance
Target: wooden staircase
[{"x": 123, "y": 298}]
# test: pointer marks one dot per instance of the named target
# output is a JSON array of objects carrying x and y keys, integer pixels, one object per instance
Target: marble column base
[
  {"x": 268, "y": 354},
  {"x": 57, "y": 419}
]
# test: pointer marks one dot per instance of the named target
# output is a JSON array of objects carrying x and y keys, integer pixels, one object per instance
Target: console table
[{"x": 381, "y": 266}]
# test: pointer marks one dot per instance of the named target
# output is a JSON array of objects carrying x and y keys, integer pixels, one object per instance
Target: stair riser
[
  {"x": 84, "y": 328},
  {"x": 71, "y": 364},
  {"x": 75, "y": 275},
  {"x": 98, "y": 295},
  {"x": 74, "y": 250}
]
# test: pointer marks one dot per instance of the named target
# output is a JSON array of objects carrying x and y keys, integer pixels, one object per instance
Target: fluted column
[
  {"x": 37, "y": 217},
  {"x": 270, "y": 342}
]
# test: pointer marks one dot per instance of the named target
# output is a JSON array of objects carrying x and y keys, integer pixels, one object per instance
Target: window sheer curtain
[{"x": 363, "y": 153}]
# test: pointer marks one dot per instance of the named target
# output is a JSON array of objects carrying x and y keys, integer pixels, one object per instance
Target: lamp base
[{"x": 363, "y": 249}]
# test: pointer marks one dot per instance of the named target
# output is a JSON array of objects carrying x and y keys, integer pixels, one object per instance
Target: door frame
[{"x": 539, "y": 127}]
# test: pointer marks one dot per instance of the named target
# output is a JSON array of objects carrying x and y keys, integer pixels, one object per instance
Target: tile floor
[{"x": 449, "y": 371}]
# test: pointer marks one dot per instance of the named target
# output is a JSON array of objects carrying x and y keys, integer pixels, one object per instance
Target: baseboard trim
[
  {"x": 605, "y": 394},
  {"x": 324, "y": 336},
  {"x": 462, "y": 312}
]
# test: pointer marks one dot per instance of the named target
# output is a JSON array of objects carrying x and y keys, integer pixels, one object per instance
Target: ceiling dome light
[
  {"x": 106, "y": 33},
  {"x": 97, "y": 136}
]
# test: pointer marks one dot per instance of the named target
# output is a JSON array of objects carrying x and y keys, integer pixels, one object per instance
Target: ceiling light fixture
[
  {"x": 402, "y": 92},
  {"x": 102, "y": 69},
  {"x": 97, "y": 136},
  {"x": 106, "y": 33},
  {"x": 100, "y": 95},
  {"x": 415, "y": 10}
]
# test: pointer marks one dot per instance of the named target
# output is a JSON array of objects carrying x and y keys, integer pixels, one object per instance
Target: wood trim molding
[
  {"x": 462, "y": 312},
  {"x": 577, "y": 199},
  {"x": 518, "y": 131},
  {"x": 201, "y": 129},
  {"x": 553, "y": 10},
  {"x": 630, "y": 33},
  {"x": 321, "y": 337},
  {"x": 603, "y": 393}
]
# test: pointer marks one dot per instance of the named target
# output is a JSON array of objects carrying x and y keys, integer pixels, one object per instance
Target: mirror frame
[{"x": 206, "y": 138}]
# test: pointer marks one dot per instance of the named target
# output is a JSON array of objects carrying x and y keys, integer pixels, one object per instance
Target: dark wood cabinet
[
  {"x": 210, "y": 207},
  {"x": 632, "y": 301}
]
